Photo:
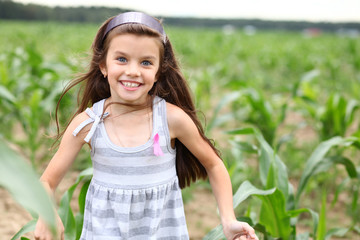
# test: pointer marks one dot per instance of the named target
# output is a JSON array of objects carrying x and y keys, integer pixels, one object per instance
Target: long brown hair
[{"x": 171, "y": 86}]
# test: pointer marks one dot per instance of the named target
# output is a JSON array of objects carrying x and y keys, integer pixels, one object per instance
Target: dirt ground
[{"x": 201, "y": 212}]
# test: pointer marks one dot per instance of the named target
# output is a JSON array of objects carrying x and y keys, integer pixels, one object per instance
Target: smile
[{"x": 132, "y": 85}]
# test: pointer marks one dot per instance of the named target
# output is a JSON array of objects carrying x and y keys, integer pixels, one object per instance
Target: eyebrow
[{"x": 143, "y": 57}]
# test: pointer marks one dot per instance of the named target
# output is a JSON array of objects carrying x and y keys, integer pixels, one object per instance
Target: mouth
[{"x": 130, "y": 85}]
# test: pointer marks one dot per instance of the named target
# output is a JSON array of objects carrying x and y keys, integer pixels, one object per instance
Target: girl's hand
[
  {"x": 236, "y": 230},
  {"x": 42, "y": 231}
]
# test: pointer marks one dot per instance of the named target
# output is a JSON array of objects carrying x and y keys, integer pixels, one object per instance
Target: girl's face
[{"x": 131, "y": 65}]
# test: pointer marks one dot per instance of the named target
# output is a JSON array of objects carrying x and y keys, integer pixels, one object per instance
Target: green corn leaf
[
  {"x": 351, "y": 107},
  {"x": 241, "y": 131},
  {"x": 267, "y": 155},
  {"x": 246, "y": 190},
  {"x": 67, "y": 217},
  {"x": 354, "y": 201},
  {"x": 317, "y": 160},
  {"x": 339, "y": 232},
  {"x": 246, "y": 147},
  {"x": 329, "y": 162},
  {"x": 357, "y": 229},
  {"x": 322, "y": 220},
  {"x": 314, "y": 216},
  {"x": 25, "y": 188},
  {"x": 349, "y": 165},
  {"x": 6, "y": 94},
  {"x": 271, "y": 177},
  {"x": 216, "y": 233},
  {"x": 216, "y": 119},
  {"x": 273, "y": 215},
  {"x": 82, "y": 196},
  {"x": 339, "y": 189},
  {"x": 65, "y": 212},
  {"x": 265, "y": 160},
  {"x": 30, "y": 226},
  {"x": 79, "y": 219},
  {"x": 290, "y": 204}
]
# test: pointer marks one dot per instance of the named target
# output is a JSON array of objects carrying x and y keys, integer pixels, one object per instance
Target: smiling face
[{"x": 131, "y": 64}]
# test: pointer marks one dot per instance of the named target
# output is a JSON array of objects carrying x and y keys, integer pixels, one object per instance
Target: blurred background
[{"x": 278, "y": 83}]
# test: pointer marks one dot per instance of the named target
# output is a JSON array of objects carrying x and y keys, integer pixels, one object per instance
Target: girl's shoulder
[
  {"x": 78, "y": 120},
  {"x": 174, "y": 113},
  {"x": 179, "y": 121}
]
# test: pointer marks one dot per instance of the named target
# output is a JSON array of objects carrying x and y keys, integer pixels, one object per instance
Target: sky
[{"x": 308, "y": 10}]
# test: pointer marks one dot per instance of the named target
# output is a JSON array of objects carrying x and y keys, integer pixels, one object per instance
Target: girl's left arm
[{"x": 184, "y": 129}]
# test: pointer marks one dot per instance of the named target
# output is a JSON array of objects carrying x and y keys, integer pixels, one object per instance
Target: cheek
[{"x": 114, "y": 70}]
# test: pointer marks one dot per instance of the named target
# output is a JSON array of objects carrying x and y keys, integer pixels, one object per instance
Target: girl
[{"x": 146, "y": 140}]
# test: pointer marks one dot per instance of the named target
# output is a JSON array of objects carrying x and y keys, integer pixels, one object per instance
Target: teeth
[{"x": 130, "y": 84}]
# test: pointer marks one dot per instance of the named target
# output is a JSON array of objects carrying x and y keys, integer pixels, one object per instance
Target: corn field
[{"x": 283, "y": 107}]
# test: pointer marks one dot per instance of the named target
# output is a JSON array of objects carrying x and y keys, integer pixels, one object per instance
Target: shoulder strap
[{"x": 96, "y": 117}]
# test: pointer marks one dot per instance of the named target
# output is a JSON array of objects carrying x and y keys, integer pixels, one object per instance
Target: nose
[{"x": 133, "y": 70}]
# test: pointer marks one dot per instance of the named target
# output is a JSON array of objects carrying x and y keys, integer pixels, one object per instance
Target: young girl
[{"x": 146, "y": 140}]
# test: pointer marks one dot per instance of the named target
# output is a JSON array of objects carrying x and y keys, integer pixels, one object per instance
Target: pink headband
[{"x": 135, "y": 17}]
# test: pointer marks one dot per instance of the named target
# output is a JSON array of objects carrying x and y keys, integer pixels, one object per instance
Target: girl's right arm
[{"x": 62, "y": 160}]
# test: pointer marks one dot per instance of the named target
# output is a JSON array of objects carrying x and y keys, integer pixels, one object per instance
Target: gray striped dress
[{"x": 134, "y": 192}]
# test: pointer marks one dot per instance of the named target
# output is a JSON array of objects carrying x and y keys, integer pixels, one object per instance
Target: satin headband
[{"x": 135, "y": 17}]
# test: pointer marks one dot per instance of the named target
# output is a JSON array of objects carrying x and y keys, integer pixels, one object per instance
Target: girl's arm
[
  {"x": 183, "y": 128},
  {"x": 60, "y": 163}
]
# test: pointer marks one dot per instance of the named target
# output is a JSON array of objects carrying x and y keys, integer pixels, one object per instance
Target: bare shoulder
[
  {"x": 179, "y": 121},
  {"x": 76, "y": 121},
  {"x": 175, "y": 115}
]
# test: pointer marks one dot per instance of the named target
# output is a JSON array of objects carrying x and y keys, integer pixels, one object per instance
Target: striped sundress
[{"x": 134, "y": 193}]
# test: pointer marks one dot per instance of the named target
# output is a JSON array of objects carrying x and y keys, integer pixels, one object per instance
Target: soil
[{"x": 201, "y": 211}]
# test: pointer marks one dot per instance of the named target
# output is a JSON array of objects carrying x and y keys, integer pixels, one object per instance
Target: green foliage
[
  {"x": 318, "y": 161},
  {"x": 73, "y": 224},
  {"x": 255, "y": 84},
  {"x": 279, "y": 209},
  {"x": 23, "y": 184},
  {"x": 30, "y": 89}
]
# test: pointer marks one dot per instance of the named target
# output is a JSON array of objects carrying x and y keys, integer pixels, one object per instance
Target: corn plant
[
  {"x": 279, "y": 202},
  {"x": 72, "y": 222},
  {"x": 251, "y": 107},
  {"x": 29, "y": 88},
  {"x": 334, "y": 118},
  {"x": 22, "y": 182}
]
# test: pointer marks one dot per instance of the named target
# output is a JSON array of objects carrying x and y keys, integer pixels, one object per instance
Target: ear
[{"x": 103, "y": 69}]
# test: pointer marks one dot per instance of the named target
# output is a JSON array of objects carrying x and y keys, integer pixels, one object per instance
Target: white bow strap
[{"x": 93, "y": 118}]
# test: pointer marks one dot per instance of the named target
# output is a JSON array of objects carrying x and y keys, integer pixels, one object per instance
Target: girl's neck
[
  {"x": 119, "y": 108},
  {"x": 127, "y": 125}
]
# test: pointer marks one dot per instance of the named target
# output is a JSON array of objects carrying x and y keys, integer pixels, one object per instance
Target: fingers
[
  {"x": 240, "y": 237},
  {"x": 250, "y": 232},
  {"x": 42, "y": 232},
  {"x": 45, "y": 236},
  {"x": 237, "y": 230},
  {"x": 244, "y": 237}
]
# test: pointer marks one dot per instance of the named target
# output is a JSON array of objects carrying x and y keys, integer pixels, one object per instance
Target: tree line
[{"x": 17, "y": 11}]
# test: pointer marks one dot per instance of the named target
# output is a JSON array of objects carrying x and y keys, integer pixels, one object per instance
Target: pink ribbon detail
[{"x": 157, "y": 148}]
